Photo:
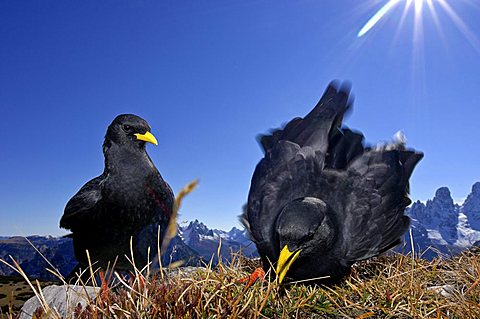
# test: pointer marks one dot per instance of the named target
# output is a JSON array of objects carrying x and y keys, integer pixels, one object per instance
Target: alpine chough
[
  {"x": 320, "y": 200},
  {"x": 128, "y": 201}
]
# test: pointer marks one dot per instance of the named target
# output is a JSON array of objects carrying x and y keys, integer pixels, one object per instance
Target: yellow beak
[
  {"x": 147, "y": 137},
  {"x": 285, "y": 260}
]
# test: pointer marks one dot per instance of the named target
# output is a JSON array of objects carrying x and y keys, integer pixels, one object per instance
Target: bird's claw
[{"x": 256, "y": 274}]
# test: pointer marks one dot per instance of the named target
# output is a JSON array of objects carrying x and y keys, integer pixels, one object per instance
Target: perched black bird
[
  {"x": 320, "y": 200},
  {"x": 129, "y": 199}
]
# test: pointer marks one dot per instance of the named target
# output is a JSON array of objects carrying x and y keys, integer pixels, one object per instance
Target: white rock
[
  {"x": 444, "y": 290},
  {"x": 62, "y": 299}
]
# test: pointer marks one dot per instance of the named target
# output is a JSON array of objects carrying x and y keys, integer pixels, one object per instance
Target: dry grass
[
  {"x": 396, "y": 286},
  {"x": 388, "y": 287}
]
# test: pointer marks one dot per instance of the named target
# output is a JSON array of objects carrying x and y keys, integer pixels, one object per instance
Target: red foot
[{"x": 257, "y": 273}]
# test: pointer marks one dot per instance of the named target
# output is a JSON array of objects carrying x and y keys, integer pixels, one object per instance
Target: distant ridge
[
  {"x": 439, "y": 223},
  {"x": 201, "y": 245}
]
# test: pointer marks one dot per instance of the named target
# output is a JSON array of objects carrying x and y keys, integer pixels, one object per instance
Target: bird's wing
[
  {"x": 80, "y": 206},
  {"x": 370, "y": 203}
]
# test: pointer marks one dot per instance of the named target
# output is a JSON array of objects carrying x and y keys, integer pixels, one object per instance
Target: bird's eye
[{"x": 126, "y": 127}]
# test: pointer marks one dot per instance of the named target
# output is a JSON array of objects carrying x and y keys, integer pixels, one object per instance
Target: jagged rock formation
[
  {"x": 471, "y": 207},
  {"x": 443, "y": 225},
  {"x": 440, "y": 214},
  {"x": 207, "y": 241}
]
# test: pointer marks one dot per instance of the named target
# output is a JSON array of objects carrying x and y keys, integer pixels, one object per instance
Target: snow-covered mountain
[
  {"x": 443, "y": 225},
  {"x": 206, "y": 241}
]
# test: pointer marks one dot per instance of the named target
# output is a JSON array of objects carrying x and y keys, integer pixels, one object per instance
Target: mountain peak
[
  {"x": 418, "y": 204},
  {"x": 471, "y": 207},
  {"x": 441, "y": 214},
  {"x": 443, "y": 193},
  {"x": 476, "y": 189},
  {"x": 416, "y": 210},
  {"x": 443, "y": 199},
  {"x": 198, "y": 224}
]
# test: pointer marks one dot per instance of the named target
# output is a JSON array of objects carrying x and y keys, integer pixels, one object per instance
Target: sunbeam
[
  {"x": 377, "y": 17},
  {"x": 460, "y": 24},
  {"x": 419, "y": 7}
]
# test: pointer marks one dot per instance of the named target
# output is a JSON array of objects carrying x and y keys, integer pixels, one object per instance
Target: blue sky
[{"x": 209, "y": 76}]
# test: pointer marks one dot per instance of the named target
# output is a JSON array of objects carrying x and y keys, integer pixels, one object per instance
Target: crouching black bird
[
  {"x": 128, "y": 200},
  {"x": 320, "y": 200}
]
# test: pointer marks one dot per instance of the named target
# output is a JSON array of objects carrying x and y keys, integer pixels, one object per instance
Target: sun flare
[{"x": 419, "y": 8}]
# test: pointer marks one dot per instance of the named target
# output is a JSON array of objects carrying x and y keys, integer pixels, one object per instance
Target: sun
[{"x": 419, "y": 8}]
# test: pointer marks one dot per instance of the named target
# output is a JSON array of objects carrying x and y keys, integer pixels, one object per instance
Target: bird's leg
[{"x": 257, "y": 273}]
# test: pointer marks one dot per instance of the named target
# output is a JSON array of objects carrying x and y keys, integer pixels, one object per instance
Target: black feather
[
  {"x": 320, "y": 189},
  {"x": 129, "y": 200}
]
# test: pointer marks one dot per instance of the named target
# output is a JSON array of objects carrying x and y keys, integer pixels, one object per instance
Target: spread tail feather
[{"x": 317, "y": 126}]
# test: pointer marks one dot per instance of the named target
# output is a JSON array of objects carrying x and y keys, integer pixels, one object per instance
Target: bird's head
[
  {"x": 303, "y": 229},
  {"x": 129, "y": 129}
]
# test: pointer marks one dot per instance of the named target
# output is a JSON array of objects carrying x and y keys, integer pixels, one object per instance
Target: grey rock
[
  {"x": 61, "y": 299},
  {"x": 188, "y": 271},
  {"x": 446, "y": 291}
]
